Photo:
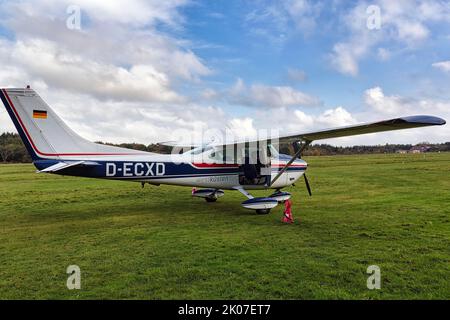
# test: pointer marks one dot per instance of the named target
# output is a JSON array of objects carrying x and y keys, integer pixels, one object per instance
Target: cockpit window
[
  {"x": 223, "y": 155},
  {"x": 228, "y": 154}
]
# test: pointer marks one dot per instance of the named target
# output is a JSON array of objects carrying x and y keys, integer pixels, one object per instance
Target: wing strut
[
  {"x": 244, "y": 192},
  {"x": 302, "y": 148}
]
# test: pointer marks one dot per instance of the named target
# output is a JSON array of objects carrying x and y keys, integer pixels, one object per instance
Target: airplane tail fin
[{"x": 44, "y": 134}]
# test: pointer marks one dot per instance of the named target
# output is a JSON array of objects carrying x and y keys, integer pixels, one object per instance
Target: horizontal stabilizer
[{"x": 64, "y": 165}]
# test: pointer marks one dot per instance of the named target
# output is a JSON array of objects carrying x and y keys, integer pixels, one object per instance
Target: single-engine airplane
[{"x": 239, "y": 165}]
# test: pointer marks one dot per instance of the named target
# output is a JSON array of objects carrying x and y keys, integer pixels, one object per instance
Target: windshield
[
  {"x": 228, "y": 155},
  {"x": 273, "y": 152},
  {"x": 198, "y": 150}
]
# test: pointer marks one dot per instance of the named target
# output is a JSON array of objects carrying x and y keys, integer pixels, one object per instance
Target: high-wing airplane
[{"x": 239, "y": 165}]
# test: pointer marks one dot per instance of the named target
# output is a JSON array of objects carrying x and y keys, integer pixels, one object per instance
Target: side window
[
  {"x": 273, "y": 151},
  {"x": 223, "y": 156},
  {"x": 217, "y": 156}
]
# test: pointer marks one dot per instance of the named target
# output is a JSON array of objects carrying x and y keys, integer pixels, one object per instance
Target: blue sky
[
  {"x": 266, "y": 58},
  {"x": 294, "y": 65}
]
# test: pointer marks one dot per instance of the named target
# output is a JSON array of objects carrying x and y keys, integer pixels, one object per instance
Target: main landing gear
[
  {"x": 261, "y": 205},
  {"x": 210, "y": 195}
]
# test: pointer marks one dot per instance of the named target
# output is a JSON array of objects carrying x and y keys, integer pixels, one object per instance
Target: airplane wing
[
  {"x": 380, "y": 126},
  {"x": 308, "y": 137}
]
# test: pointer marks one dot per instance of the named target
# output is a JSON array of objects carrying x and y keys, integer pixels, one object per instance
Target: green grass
[{"x": 159, "y": 243}]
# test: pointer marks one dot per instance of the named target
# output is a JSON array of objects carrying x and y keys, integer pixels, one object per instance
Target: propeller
[{"x": 307, "y": 185}]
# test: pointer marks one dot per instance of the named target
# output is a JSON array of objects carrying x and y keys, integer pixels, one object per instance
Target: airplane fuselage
[{"x": 175, "y": 170}]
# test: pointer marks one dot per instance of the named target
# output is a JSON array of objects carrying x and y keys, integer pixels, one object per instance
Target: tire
[
  {"x": 211, "y": 199},
  {"x": 263, "y": 211}
]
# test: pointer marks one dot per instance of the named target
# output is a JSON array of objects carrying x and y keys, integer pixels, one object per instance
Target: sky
[{"x": 151, "y": 71}]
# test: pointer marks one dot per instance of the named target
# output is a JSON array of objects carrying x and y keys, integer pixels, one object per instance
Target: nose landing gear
[{"x": 262, "y": 205}]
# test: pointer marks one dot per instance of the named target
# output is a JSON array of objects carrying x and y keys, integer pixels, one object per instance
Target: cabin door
[{"x": 255, "y": 168}]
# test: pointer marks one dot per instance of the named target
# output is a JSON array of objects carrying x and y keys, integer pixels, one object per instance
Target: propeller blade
[{"x": 307, "y": 185}]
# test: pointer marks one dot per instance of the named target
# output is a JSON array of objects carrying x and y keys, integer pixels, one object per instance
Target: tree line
[
  {"x": 12, "y": 149},
  {"x": 329, "y": 150}
]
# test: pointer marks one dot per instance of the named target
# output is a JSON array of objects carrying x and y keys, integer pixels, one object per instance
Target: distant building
[
  {"x": 415, "y": 149},
  {"x": 419, "y": 149}
]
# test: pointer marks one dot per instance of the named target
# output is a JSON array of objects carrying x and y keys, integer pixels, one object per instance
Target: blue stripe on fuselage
[{"x": 147, "y": 170}]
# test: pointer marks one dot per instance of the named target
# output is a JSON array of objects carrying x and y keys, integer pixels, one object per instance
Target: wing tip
[{"x": 425, "y": 120}]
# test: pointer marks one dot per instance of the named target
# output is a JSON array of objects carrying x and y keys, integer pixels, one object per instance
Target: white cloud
[
  {"x": 108, "y": 45},
  {"x": 62, "y": 69},
  {"x": 397, "y": 105},
  {"x": 299, "y": 120},
  {"x": 277, "y": 21},
  {"x": 259, "y": 95},
  {"x": 209, "y": 94},
  {"x": 406, "y": 23},
  {"x": 242, "y": 127},
  {"x": 296, "y": 75},
  {"x": 121, "y": 75},
  {"x": 345, "y": 57},
  {"x": 442, "y": 65},
  {"x": 411, "y": 31},
  {"x": 135, "y": 13},
  {"x": 303, "y": 13},
  {"x": 336, "y": 118},
  {"x": 346, "y": 54},
  {"x": 130, "y": 121},
  {"x": 388, "y": 105},
  {"x": 381, "y": 106},
  {"x": 378, "y": 106},
  {"x": 434, "y": 10},
  {"x": 280, "y": 96},
  {"x": 383, "y": 54},
  {"x": 291, "y": 121}
]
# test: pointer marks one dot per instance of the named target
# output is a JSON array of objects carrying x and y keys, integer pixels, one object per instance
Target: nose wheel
[{"x": 260, "y": 205}]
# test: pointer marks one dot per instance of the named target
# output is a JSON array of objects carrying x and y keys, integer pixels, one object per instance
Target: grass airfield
[{"x": 158, "y": 243}]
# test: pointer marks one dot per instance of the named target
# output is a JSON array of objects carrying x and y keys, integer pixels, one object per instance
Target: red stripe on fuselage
[
  {"x": 224, "y": 165},
  {"x": 292, "y": 165},
  {"x": 214, "y": 165}
]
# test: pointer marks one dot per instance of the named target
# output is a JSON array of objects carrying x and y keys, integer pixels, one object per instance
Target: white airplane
[{"x": 240, "y": 165}]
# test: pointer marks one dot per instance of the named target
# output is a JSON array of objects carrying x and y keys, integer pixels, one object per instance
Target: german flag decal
[{"x": 39, "y": 114}]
